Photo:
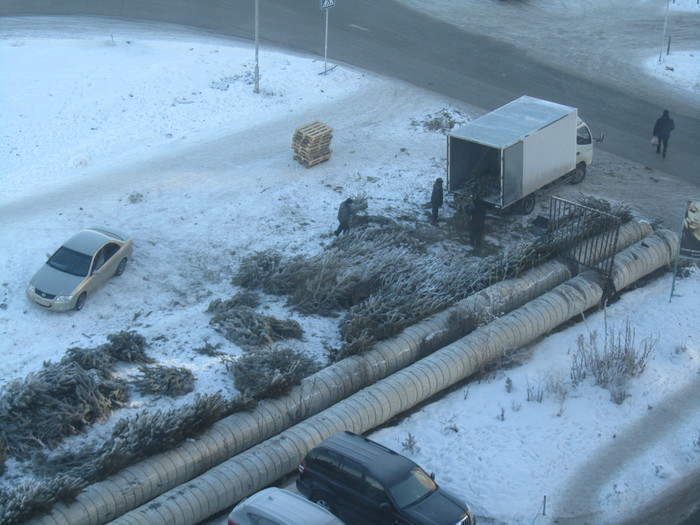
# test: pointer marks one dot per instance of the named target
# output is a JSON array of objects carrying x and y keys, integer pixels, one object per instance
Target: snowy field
[{"x": 156, "y": 130}]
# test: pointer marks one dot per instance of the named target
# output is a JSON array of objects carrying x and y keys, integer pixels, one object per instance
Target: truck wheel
[
  {"x": 526, "y": 204},
  {"x": 579, "y": 173}
]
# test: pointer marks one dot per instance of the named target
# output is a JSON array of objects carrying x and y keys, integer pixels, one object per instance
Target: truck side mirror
[{"x": 600, "y": 137}]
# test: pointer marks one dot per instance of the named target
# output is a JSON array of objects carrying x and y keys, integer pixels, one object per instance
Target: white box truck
[{"x": 505, "y": 156}]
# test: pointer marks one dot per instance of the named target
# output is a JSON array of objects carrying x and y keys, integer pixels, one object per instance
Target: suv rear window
[{"x": 325, "y": 461}]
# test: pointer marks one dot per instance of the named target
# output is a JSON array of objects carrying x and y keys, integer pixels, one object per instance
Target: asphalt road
[
  {"x": 383, "y": 37},
  {"x": 388, "y": 39}
]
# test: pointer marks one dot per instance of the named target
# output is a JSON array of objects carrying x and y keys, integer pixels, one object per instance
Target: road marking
[{"x": 358, "y": 27}]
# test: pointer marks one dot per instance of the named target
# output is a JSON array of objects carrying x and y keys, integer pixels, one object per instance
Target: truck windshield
[{"x": 412, "y": 487}]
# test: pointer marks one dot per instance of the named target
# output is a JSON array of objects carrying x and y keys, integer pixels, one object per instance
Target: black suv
[{"x": 363, "y": 482}]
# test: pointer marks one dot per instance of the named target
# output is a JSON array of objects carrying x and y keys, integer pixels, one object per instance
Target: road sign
[{"x": 327, "y": 4}]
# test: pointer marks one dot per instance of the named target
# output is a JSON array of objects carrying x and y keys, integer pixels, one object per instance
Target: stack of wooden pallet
[{"x": 312, "y": 143}]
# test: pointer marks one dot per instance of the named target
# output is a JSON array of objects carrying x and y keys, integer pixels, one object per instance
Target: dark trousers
[
  {"x": 476, "y": 228},
  {"x": 663, "y": 142},
  {"x": 476, "y": 231},
  {"x": 344, "y": 227},
  {"x": 476, "y": 236}
]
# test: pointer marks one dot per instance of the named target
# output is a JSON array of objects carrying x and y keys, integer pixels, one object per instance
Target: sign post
[
  {"x": 257, "y": 39},
  {"x": 325, "y": 6}
]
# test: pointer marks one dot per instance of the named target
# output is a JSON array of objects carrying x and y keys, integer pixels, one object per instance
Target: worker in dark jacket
[
  {"x": 476, "y": 225},
  {"x": 662, "y": 130},
  {"x": 344, "y": 214},
  {"x": 436, "y": 199}
]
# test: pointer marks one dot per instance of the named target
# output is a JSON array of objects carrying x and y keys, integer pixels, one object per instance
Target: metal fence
[{"x": 587, "y": 236}]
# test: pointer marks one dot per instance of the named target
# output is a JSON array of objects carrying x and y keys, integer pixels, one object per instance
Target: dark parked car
[{"x": 361, "y": 481}]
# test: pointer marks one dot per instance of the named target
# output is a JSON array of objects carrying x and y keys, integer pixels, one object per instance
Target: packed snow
[{"x": 157, "y": 130}]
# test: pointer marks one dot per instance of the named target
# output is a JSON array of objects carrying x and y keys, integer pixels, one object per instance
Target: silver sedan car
[
  {"x": 275, "y": 506},
  {"x": 83, "y": 263}
]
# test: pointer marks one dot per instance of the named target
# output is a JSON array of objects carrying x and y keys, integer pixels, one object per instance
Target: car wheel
[
  {"x": 81, "y": 301},
  {"x": 120, "y": 268},
  {"x": 323, "y": 501},
  {"x": 579, "y": 173}
]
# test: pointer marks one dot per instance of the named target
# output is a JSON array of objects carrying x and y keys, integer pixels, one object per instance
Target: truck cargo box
[{"x": 512, "y": 151}]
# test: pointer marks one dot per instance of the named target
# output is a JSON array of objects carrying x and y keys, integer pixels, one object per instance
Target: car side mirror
[{"x": 432, "y": 476}]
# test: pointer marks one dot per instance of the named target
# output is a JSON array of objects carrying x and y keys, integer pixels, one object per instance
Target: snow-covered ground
[
  {"x": 589, "y": 457},
  {"x": 156, "y": 130}
]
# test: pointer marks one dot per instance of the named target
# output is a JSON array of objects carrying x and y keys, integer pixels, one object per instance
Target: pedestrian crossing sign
[{"x": 327, "y": 4}]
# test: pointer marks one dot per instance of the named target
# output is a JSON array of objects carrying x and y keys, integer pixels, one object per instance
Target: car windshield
[
  {"x": 412, "y": 487},
  {"x": 70, "y": 261}
]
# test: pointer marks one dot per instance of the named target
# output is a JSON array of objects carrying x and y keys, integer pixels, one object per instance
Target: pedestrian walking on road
[
  {"x": 662, "y": 131},
  {"x": 344, "y": 214},
  {"x": 436, "y": 199}
]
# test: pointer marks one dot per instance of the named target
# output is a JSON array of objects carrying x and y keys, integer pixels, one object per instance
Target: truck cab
[{"x": 584, "y": 151}]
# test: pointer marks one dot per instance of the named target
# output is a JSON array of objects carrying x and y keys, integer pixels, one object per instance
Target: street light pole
[
  {"x": 325, "y": 47},
  {"x": 663, "y": 37},
  {"x": 257, "y": 39}
]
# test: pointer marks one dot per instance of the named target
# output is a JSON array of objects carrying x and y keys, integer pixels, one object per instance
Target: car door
[
  {"x": 341, "y": 479},
  {"x": 111, "y": 261},
  {"x": 362, "y": 501},
  {"x": 378, "y": 506},
  {"x": 100, "y": 270}
]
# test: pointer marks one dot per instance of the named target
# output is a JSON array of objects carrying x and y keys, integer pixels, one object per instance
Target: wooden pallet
[
  {"x": 312, "y": 162},
  {"x": 311, "y": 143},
  {"x": 314, "y": 129}
]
